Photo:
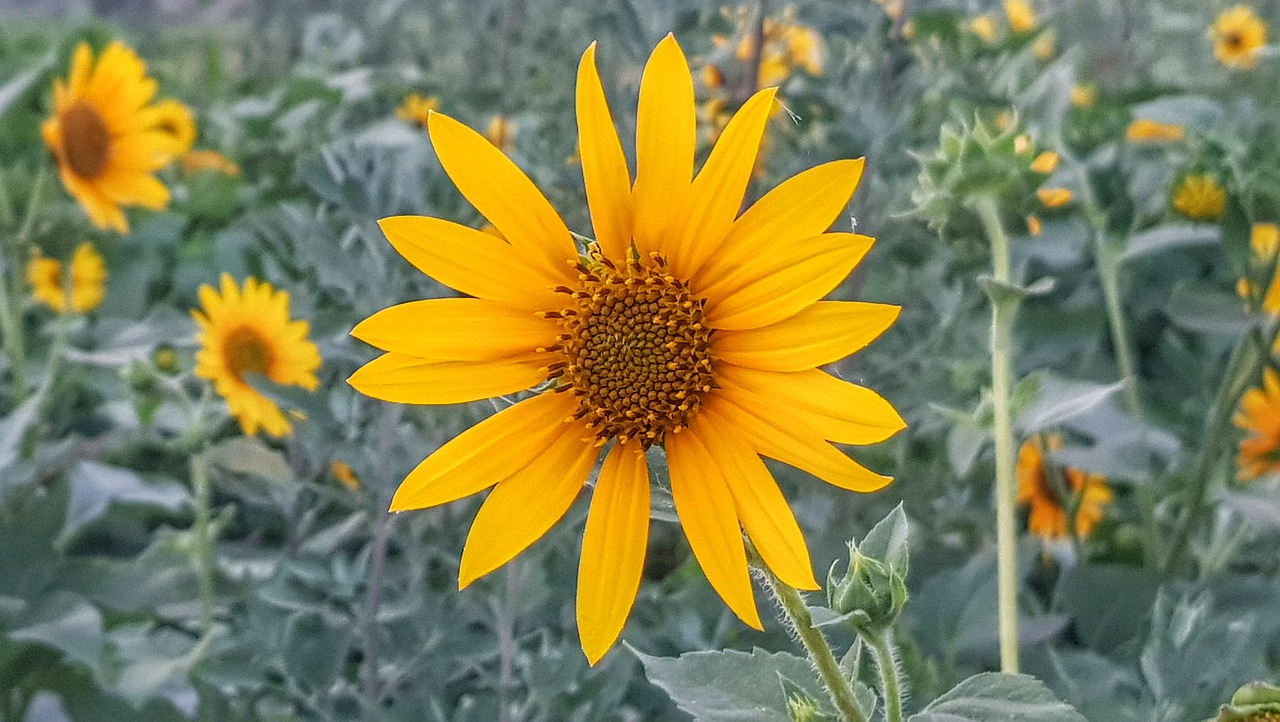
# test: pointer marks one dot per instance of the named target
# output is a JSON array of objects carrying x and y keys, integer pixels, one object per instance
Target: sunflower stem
[
  {"x": 1003, "y": 308},
  {"x": 203, "y": 536},
  {"x": 15, "y": 345},
  {"x": 887, "y": 660},
  {"x": 797, "y": 616}
]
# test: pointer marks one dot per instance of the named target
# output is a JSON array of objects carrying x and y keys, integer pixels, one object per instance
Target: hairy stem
[
  {"x": 890, "y": 684},
  {"x": 1002, "y": 313}
]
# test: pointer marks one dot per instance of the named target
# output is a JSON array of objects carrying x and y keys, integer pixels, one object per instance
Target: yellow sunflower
[
  {"x": 1145, "y": 130},
  {"x": 80, "y": 290},
  {"x": 1238, "y": 34},
  {"x": 1259, "y": 417},
  {"x": 1021, "y": 16},
  {"x": 501, "y": 131},
  {"x": 104, "y": 135},
  {"x": 248, "y": 331},
  {"x": 417, "y": 107},
  {"x": 684, "y": 325},
  {"x": 1048, "y": 516},
  {"x": 1200, "y": 197},
  {"x": 175, "y": 120}
]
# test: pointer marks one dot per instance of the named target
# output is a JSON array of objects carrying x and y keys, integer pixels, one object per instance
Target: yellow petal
[
  {"x": 758, "y": 501},
  {"x": 505, "y": 196},
  {"x": 411, "y": 380},
  {"x": 604, "y": 166},
  {"x": 716, "y": 195},
  {"x": 801, "y": 207},
  {"x": 613, "y": 549},
  {"x": 486, "y": 453},
  {"x": 456, "y": 329},
  {"x": 666, "y": 136},
  {"x": 522, "y": 507},
  {"x": 823, "y": 333},
  {"x": 836, "y": 410},
  {"x": 474, "y": 262},
  {"x": 705, "y": 507},
  {"x": 786, "y": 280},
  {"x": 798, "y": 447}
]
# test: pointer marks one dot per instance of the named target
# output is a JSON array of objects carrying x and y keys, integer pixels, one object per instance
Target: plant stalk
[
  {"x": 887, "y": 661},
  {"x": 203, "y": 536},
  {"x": 1002, "y": 313}
]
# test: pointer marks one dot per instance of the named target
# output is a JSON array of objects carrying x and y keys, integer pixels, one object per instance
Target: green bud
[
  {"x": 140, "y": 376},
  {"x": 802, "y": 709},
  {"x": 1254, "y": 702},
  {"x": 870, "y": 592}
]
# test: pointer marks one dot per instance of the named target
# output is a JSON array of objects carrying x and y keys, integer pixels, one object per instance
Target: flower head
[
  {"x": 1021, "y": 16},
  {"x": 1088, "y": 493},
  {"x": 1145, "y": 130},
  {"x": 1199, "y": 197},
  {"x": 1238, "y": 34},
  {"x": 684, "y": 326},
  {"x": 1084, "y": 95},
  {"x": 105, "y": 135},
  {"x": 1054, "y": 197},
  {"x": 1259, "y": 418},
  {"x": 80, "y": 289},
  {"x": 417, "y": 107},
  {"x": 246, "y": 331},
  {"x": 175, "y": 120},
  {"x": 984, "y": 26},
  {"x": 501, "y": 132}
]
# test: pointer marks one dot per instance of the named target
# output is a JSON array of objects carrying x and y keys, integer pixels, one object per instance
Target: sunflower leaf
[{"x": 993, "y": 696}]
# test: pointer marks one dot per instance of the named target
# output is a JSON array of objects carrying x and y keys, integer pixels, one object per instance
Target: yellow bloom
[
  {"x": 80, "y": 291},
  {"x": 984, "y": 27},
  {"x": 1259, "y": 418},
  {"x": 712, "y": 78},
  {"x": 1053, "y": 197},
  {"x": 103, "y": 134},
  {"x": 1022, "y": 17},
  {"x": 1034, "y": 226},
  {"x": 1200, "y": 197},
  {"x": 1045, "y": 46},
  {"x": 1048, "y": 518},
  {"x": 195, "y": 161},
  {"x": 1238, "y": 34},
  {"x": 417, "y": 107},
  {"x": 248, "y": 331},
  {"x": 1145, "y": 130},
  {"x": 177, "y": 122},
  {"x": 1045, "y": 162},
  {"x": 343, "y": 472},
  {"x": 501, "y": 132},
  {"x": 683, "y": 325},
  {"x": 804, "y": 48},
  {"x": 1084, "y": 95},
  {"x": 1264, "y": 238}
]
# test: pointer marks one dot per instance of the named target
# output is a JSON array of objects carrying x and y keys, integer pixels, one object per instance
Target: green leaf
[
  {"x": 315, "y": 648},
  {"x": 248, "y": 456},
  {"x": 995, "y": 697},
  {"x": 730, "y": 686},
  {"x": 22, "y": 82},
  {"x": 1165, "y": 238},
  {"x": 1001, "y": 293},
  {"x": 1207, "y": 310},
  {"x": 1107, "y": 603},
  {"x": 887, "y": 541},
  {"x": 95, "y": 487},
  {"x": 67, "y": 623},
  {"x": 1056, "y": 400}
]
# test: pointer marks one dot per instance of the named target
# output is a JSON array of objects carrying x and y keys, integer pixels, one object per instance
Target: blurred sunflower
[
  {"x": 984, "y": 26},
  {"x": 80, "y": 288},
  {"x": 1238, "y": 34},
  {"x": 683, "y": 325},
  {"x": 501, "y": 131},
  {"x": 248, "y": 331},
  {"x": 1054, "y": 197},
  {"x": 417, "y": 107},
  {"x": 1264, "y": 240},
  {"x": 1048, "y": 517},
  {"x": 1021, "y": 16},
  {"x": 1259, "y": 418},
  {"x": 1200, "y": 197},
  {"x": 1145, "y": 130},
  {"x": 175, "y": 120},
  {"x": 104, "y": 135}
]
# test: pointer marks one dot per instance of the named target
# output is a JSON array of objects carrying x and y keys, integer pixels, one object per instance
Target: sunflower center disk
[
  {"x": 85, "y": 140},
  {"x": 635, "y": 350},
  {"x": 247, "y": 352}
]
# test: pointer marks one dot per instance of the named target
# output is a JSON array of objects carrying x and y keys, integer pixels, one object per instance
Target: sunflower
[
  {"x": 1048, "y": 517},
  {"x": 1021, "y": 16},
  {"x": 1199, "y": 197},
  {"x": 682, "y": 326},
  {"x": 417, "y": 107},
  {"x": 248, "y": 331},
  {"x": 104, "y": 135},
  {"x": 1259, "y": 417},
  {"x": 1145, "y": 130},
  {"x": 1238, "y": 34},
  {"x": 80, "y": 290},
  {"x": 175, "y": 120}
]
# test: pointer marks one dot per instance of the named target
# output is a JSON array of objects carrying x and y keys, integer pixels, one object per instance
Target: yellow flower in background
[
  {"x": 1264, "y": 239},
  {"x": 345, "y": 475},
  {"x": 804, "y": 48},
  {"x": 984, "y": 27},
  {"x": 1200, "y": 197},
  {"x": 103, "y": 134},
  {"x": 175, "y": 120},
  {"x": 1238, "y": 34},
  {"x": 1084, "y": 95},
  {"x": 684, "y": 325},
  {"x": 1034, "y": 226},
  {"x": 1144, "y": 130},
  {"x": 711, "y": 76},
  {"x": 1045, "y": 163},
  {"x": 1053, "y": 197},
  {"x": 1259, "y": 418},
  {"x": 196, "y": 161},
  {"x": 1045, "y": 46},
  {"x": 1049, "y": 515},
  {"x": 417, "y": 107},
  {"x": 1021, "y": 16},
  {"x": 80, "y": 288},
  {"x": 501, "y": 132},
  {"x": 246, "y": 331},
  {"x": 788, "y": 45}
]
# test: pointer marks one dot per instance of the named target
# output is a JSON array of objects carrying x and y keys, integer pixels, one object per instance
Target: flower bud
[{"x": 871, "y": 592}]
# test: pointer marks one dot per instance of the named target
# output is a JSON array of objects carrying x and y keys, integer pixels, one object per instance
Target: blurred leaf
[
  {"x": 1165, "y": 238},
  {"x": 1107, "y": 604},
  {"x": 315, "y": 648},
  {"x": 887, "y": 541},
  {"x": 1207, "y": 310},
  {"x": 1054, "y": 400},
  {"x": 994, "y": 697},
  {"x": 67, "y": 623},
  {"x": 249, "y": 456},
  {"x": 22, "y": 82},
  {"x": 728, "y": 686},
  {"x": 95, "y": 487}
]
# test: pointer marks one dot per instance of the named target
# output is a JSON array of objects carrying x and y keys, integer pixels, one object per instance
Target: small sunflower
[
  {"x": 1048, "y": 517},
  {"x": 984, "y": 26},
  {"x": 1264, "y": 240},
  {"x": 175, "y": 120},
  {"x": 684, "y": 326},
  {"x": 501, "y": 131},
  {"x": 1054, "y": 197},
  {"x": 104, "y": 135},
  {"x": 1200, "y": 197},
  {"x": 80, "y": 290},
  {"x": 1021, "y": 16},
  {"x": 1084, "y": 95},
  {"x": 1238, "y": 34},
  {"x": 1259, "y": 418},
  {"x": 417, "y": 107},
  {"x": 248, "y": 331},
  {"x": 1145, "y": 130}
]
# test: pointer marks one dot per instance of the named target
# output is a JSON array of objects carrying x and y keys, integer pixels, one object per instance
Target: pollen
[{"x": 635, "y": 349}]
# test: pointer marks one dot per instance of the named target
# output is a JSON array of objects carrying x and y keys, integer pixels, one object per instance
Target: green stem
[
  {"x": 797, "y": 615},
  {"x": 1002, "y": 313},
  {"x": 1246, "y": 362},
  {"x": 203, "y": 536},
  {"x": 890, "y": 685},
  {"x": 1109, "y": 274},
  {"x": 11, "y": 283}
]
